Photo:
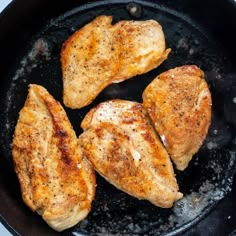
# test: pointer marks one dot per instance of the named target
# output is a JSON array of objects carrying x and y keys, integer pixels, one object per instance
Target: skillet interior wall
[
  {"x": 15, "y": 32},
  {"x": 19, "y": 26}
]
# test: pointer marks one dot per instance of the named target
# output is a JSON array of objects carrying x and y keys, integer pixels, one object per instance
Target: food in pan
[
  {"x": 179, "y": 103},
  {"x": 55, "y": 180},
  {"x": 101, "y": 53},
  {"x": 124, "y": 148},
  {"x": 128, "y": 143}
]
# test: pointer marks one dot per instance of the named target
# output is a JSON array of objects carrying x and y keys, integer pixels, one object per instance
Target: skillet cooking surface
[{"x": 209, "y": 175}]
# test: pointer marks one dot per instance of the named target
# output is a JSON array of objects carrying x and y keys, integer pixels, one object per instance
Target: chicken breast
[
  {"x": 55, "y": 180},
  {"x": 179, "y": 104},
  {"x": 101, "y": 53},
  {"x": 123, "y": 147}
]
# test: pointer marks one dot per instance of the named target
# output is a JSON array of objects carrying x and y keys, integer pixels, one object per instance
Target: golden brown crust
[
  {"x": 179, "y": 104},
  {"x": 124, "y": 148},
  {"x": 54, "y": 179},
  {"x": 108, "y": 54}
]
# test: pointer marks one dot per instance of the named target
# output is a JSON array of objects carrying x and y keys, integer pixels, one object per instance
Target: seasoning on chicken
[
  {"x": 101, "y": 53},
  {"x": 123, "y": 147},
  {"x": 55, "y": 180},
  {"x": 179, "y": 103}
]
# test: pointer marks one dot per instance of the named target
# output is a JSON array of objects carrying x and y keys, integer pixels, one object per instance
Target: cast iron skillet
[{"x": 199, "y": 32}]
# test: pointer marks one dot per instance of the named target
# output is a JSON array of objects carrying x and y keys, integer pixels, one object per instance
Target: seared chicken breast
[
  {"x": 123, "y": 147},
  {"x": 179, "y": 104},
  {"x": 101, "y": 53},
  {"x": 55, "y": 180}
]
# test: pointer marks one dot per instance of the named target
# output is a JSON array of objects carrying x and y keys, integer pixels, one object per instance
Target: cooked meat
[
  {"x": 179, "y": 104},
  {"x": 101, "y": 53},
  {"x": 55, "y": 180},
  {"x": 124, "y": 148}
]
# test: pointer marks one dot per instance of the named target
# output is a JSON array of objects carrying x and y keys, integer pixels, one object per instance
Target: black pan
[{"x": 199, "y": 32}]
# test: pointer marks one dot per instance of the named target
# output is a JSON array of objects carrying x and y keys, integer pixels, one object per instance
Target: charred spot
[
  {"x": 148, "y": 137},
  {"x": 61, "y": 133},
  {"x": 66, "y": 159},
  {"x": 99, "y": 132}
]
